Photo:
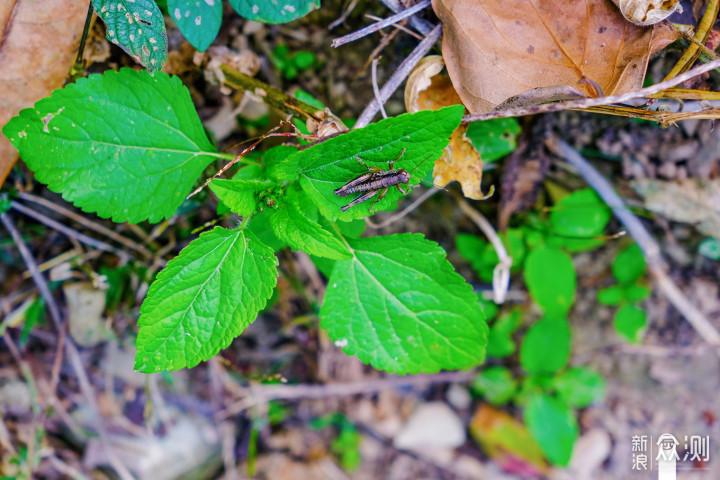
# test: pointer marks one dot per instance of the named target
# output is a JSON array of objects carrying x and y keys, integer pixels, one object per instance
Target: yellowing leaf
[
  {"x": 497, "y": 50},
  {"x": 427, "y": 89}
]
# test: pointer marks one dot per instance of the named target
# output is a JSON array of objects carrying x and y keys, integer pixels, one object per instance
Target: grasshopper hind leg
[{"x": 361, "y": 198}]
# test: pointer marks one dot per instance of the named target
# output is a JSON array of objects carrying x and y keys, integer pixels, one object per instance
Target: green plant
[
  {"x": 347, "y": 443},
  {"x": 291, "y": 65},
  {"x": 547, "y": 389},
  {"x": 394, "y": 301},
  {"x": 628, "y": 268}
]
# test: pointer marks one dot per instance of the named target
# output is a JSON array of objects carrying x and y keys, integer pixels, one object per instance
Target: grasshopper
[{"x": 375, "y": 181}]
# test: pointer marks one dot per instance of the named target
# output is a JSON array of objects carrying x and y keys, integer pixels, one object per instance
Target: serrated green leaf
[
  {"x": 260, "y": 227},
  {"x": 124, "y": 144},
  {"x": 496, "y": 384},
  {"x": 240, "y": 195},
  {"x": 553, "y": 425},
  {"x": 203, "y": 299},
  {"x": 580, "y": 214},
  {"x": 580, "y": 386},
  {"x": 276, "y": 165},
  {"x": 399, "y": 306},
  {"x": 198, "y": 20},
  {"x": 630, "y": 322},
  {"x": 629, "y": 265},
  {"x": 331, "y": 164},
  {"x": 550, "y": 278},
  {"x": 276, "y": 11},
  {"x": 291, "y": 225},
  {"x": 138, "y": 27},
  {"x": 546, "y": 346},
  {"x": 494, "y": 138}
]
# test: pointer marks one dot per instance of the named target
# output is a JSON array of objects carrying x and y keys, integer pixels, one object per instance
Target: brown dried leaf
[
  {"x": 497, "y": 50},
  {"x": 427, "y": 89},
  {"x": 691, "y": 201},
  {"x": 647, "y": 12},
  {"x": 38, "y": 43}
]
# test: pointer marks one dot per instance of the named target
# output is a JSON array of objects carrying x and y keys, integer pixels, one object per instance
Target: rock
[{"x": 431, "y": 425}]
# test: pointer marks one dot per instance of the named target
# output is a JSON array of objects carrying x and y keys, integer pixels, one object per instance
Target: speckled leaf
[
  {"x": 205, "y": 297},
  {"x": 198, "y": 20},
  {"x": 274, "y": 11},
  {"x": 399, "y": 306},
  {"x": 332, "y": 163},
  {"x": 136, "y": 26},
  {"x": 124, "y": 144}
]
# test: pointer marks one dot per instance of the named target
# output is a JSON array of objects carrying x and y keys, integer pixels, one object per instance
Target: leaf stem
[
  {"x": 245, "y": 221},
  {"x": 342, "y": 237}
]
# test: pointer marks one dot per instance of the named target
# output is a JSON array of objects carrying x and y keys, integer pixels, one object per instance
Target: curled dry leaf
[
  {"x": 691, "y": 201},
  {"x": 38, "y": 44},
  {"x": 498, "y": 50},
  {"x": 427, "y": 89},
  {"x": 647, "y": 12}
]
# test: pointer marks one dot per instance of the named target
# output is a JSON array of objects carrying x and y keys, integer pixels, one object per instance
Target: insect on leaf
[
  {"x": 399, "y": 306},
  {"x": 198, "y": 20},
  {"x": 137, "y": 27},
  {"x": 203, "y": 299},
  {"x": 125, "y": 144},
  {"x": 332, "y": 163}
]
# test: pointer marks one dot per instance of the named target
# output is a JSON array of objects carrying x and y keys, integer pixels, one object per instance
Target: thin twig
[
  {"x": 398, "y": 26},
  {"x": 404, "y": 212},
  {"x": 351, "y": 37},
  {"x": 593, "y": 102},
  {"x": 419, "y": 24},
  {"x": 501, "y": 273},
  {"x": 101, "y": 229},
  {"x": 344, "y": 15},
  {"x": 80, "y": 237},
  {"x": 259, "y": 394},
  {"x": 376, "y": 90},
  {"x": 399, "y": 76},
  {"x": 651, "y": 250},
  {"x": 71, "y": 350}
]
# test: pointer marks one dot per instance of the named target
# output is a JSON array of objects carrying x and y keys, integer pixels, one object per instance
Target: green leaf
[
  {"x": 550, "y": 278},
  {"x": 400, "y": 306},
  {"x": 260, "y": 227},
  {"x": 580, "y": 386},
  {"x": 276, "y": 11},
  {"x": 240, "y": 195},
  {"x": 479, "y": 254},
  {"x": 496, "y": 384},
  {"x": 198, "y": 20},
  {"x": 138, "y": 27},
  {"x": 332, "y": 163},
  {"x": 553, "y": 425},
  {"x": 636, "y": 292},
  {"x": 614, "y": 295},
  {"x": 546, "y": 346},
  {"x": 276, "y": 165},
  {"x": 629, "y": 265},
  {"x": 124, "y": 144},
  {"x": 303, "y": 59},
  {"x": 304, "y": 96},
  {"x": 494, "y": 138},
  {"x": 710, "y": 248},
  {"x": 500, "y": 341},
  {"x": 203, "y": 299},
  {"x": 291, "y": 225},
  {"x": 630, "y": 322},
  {"x": 580, "y": 214}
]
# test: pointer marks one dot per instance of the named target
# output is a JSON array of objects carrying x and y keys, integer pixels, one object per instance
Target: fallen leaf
[
  {"x": 38, "y": 43},
  {"x": 427, "y": 89},
  {"x": 647, "y": 12},
  {"x": 498, "y": 50},
  {"x": 691, "y": 201},
  {"x": 507, "y": 442}
]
